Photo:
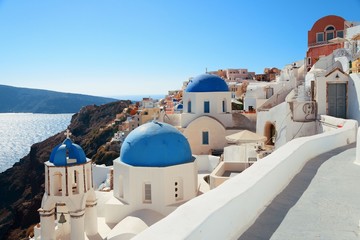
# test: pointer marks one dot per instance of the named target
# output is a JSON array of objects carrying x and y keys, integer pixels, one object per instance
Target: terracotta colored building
[
  {"x": 323, "y": 30},
  {"x": 268, "y": 75},
  {"x": 234, "y": 74}
]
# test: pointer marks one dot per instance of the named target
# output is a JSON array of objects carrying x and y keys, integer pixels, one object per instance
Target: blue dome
[
  {"x": 67, "y": 150},
  {"x": 179, "y": 107},
  {"x": 207, "y": 83},
  {"x": 155, "y": 144}
]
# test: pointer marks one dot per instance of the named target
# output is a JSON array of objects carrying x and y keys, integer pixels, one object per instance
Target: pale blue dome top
[
  {"x": 207, "y": 83},
  {"x": 155, "y": 144},
  {"x": 67, "y": 150}
]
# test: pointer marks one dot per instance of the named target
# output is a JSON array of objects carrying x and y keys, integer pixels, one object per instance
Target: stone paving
[{"x": 321, "y": 202}]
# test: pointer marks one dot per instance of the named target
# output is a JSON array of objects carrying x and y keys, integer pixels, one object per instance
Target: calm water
[{"x": 18, "y": 131}]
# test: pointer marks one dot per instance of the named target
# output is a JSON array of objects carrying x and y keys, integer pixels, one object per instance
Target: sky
[{"x": 141, "y": 47}]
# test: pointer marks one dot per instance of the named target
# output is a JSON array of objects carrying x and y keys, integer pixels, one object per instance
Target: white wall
[
  {"x": 323, "y": 63},
  {"x": 353, "y": 96},
  {"x": 216, "y": 109},
  {"x": 321, "y": 89},
  {"x": 216, "y": 131},
  {"x": 235, "y": 153},
  {"x": 215, "y": 100},
  {"x": 256, "y": 92},
  {"x": 249, "y": 101},
  {"x": 279, "y": 117},
  {"x": 163, "y": 191},
  {"x": 172, "y": 119},
  {"x": 344, "y": 60},
  {"x": 350, "y": 33},
  {"x": 286, "y": 128},
  {"x": 100, "y": 174},
  {"x": 217, "y": 176},
  {"x": 240, "y": 153},
  {"x": 228, "y": 210},
  {"x": 206, "y": 163},
  {"x": 303, "y": 110}
]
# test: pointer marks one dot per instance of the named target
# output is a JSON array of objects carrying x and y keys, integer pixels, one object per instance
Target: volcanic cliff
[{"x": 22, "y": 186}]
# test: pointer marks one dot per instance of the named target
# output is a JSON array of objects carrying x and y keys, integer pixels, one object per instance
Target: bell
[{"x": 62, "y": 219}]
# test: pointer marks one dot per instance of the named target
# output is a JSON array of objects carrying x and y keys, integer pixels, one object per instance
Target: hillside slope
[
  {"x": 14, "y": 99},
  {"x": 22, "y": 186}
]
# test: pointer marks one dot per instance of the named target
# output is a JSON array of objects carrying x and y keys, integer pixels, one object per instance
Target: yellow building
[{"x": 356, "y": 66}]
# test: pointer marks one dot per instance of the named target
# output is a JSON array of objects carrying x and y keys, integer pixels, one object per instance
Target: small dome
[
  {"x": 179, "y": 107},
  {"x": 67, "y": 153},
  {"x": 155, "y": 144},
  {"x": 207, "y": 83}
]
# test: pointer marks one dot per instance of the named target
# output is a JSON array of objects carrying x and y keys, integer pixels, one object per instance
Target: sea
[{"x": 18, "y": 131}]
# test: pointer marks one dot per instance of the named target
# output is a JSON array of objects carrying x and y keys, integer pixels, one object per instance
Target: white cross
[{"x": 67, "y": 133}]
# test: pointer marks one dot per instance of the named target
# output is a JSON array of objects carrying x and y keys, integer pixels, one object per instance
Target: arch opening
[{"x": 270, "y": 133}]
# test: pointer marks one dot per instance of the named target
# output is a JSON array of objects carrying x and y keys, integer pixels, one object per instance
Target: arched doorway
[{"x": 270, "y": 133}]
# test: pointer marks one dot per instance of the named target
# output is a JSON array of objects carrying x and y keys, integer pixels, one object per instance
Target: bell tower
[{"x": 68, "y": 207}]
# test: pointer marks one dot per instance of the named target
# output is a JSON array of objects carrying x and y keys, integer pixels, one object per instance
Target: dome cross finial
[{"x": 67, "y": 133}]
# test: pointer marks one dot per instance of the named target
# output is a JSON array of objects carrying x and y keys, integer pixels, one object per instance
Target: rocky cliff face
[{"x": 22, "y": 186}]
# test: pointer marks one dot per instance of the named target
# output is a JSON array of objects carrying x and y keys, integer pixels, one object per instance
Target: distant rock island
[{"x": 15, "y": 99}]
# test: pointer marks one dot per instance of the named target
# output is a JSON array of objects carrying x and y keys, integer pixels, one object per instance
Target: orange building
[
  {"x": 268, "y": 75},
  {"x": 323, "y": 30}
]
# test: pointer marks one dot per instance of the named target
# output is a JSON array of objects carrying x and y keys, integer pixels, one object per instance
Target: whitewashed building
[
  {"x": 68, "y": 206},
  {"x": 154, "y": 174},
  {"x": 206, "y": 113}
]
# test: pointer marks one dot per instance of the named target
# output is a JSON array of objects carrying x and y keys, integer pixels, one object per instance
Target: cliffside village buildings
[{"x": 178, "y": 154}]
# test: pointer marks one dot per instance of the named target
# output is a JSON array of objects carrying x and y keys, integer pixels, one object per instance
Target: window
[
  {"x": 75, "y": 183},
  {"x": 269, "y": 92},
  {"x": 178, "y": 193},
  {"x": 340, "y": 34},
  {"x": 147, "y": 192},
  {"x": 319, "y": 37},
  {"x": 88, "y": 180},
  {"x": 206, "y": 107},
  {"x": 205, "y": 138},
  {"x": 329, "y": 33},
  {"x": 223, "y": 106},
  {"x": 189, "y": 107},
  {"x": 57, "y": 186}
]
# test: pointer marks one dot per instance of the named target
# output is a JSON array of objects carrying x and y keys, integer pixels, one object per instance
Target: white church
[
  {"x": 69, "y": 195},
  {"x": 207, "y": 117},
  {"x": 154, "y": 174}
]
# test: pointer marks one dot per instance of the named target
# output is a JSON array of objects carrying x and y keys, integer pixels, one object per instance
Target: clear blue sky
[{"x": 117, "y": 47}]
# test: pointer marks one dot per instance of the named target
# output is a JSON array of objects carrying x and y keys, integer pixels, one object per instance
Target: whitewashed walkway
[{"x": 321, "y": 202}]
